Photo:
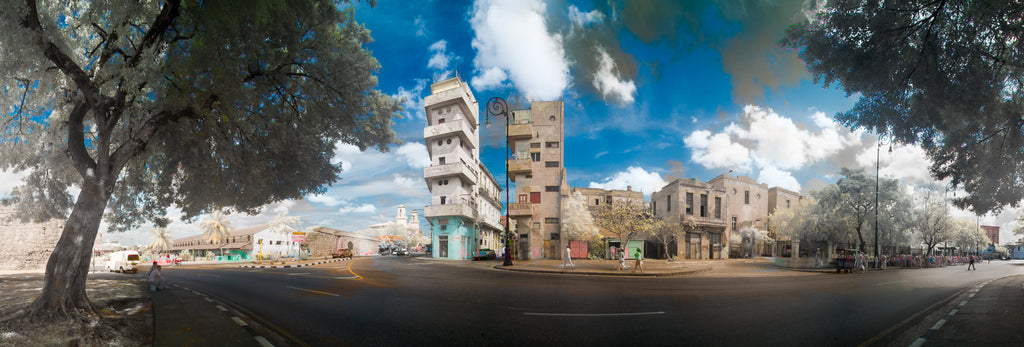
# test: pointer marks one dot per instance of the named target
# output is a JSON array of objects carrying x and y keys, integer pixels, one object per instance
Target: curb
[
  {"x": 595, "y": 273},
  {"x": 290, "y": 266}
]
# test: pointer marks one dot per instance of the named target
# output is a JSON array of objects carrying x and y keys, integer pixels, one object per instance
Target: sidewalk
[{"x": 651, "y": 267}]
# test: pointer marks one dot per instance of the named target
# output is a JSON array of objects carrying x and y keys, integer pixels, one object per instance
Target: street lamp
[
  {"x": 878, "y": 150},
  {"x": 497, "y": 107}
]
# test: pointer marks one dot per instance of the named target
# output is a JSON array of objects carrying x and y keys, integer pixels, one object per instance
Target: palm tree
[
  {"x": 216, "y": 228},
  {"x": 161, "y": 239}
]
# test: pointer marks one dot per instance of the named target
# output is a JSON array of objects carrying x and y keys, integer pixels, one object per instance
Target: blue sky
[{"x": 652, "y": 89}]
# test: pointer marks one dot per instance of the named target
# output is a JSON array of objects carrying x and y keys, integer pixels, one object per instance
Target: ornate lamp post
[
  {"x": 497, "y": 107},
  {"x": 878, "y": 150}
]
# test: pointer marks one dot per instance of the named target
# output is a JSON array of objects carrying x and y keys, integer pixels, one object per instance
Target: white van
[{"x": 124, "y": 261}]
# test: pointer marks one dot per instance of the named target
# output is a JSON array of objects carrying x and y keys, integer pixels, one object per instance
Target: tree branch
[
  {"x": 59, "y": 58},
  {"x": 167, "y": 15},
  {"x": 80, "y": 157}
]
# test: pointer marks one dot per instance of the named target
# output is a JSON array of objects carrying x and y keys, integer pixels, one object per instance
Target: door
[{"x": 442, "y": 246}]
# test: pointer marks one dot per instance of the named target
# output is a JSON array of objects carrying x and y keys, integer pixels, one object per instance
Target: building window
[
  {"x": 733, "y": 223},
  {"x": 551, "y": 164},
  {"x": 597, "y": 202},
  {"x": 535, "y": 156},
  {"x": 746, "y": 197},
  {"x": 552, "y": 118},
  {"x": 550, "y": 220},
  {"x": 551, "y": 144},
  {"x": 654, "y": 206},
  {"x": 668, "y": 200},
  {"x": 440, "y": 160},
  {"x": 689, "y": 203},
  {"x": 536, "y": 225},
  {"x": 787, "y": 203},
  {"x": 524, "y": 236},
  {"x": 551, "y": 188},
  {"x": 440, "y": 143},
  {"x": 703, "y": 205},
  {"x": 440, "y": 121},
  {"x": 554, "y": 236},
  {"x": 535, "y": 197},
  {"x": 443, "y": 198},
  {"x": 534, "y": 144},
  {"x": 715, "y": 238},
  {"x": 529, "y": 176},
  {"x": 449, "y": 141},
  {"x": 718, "y": 207}
]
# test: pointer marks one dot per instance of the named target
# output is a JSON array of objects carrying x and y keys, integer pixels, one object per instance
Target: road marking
[
  {"x": 962, "y": 303},
  {"x": 918, "y": 343},
  {"x": 299, "y": 273},
  {"x": 592, "y": 314},
  {"x": 210, "y": 275},
  {"x": 207, "y": 299},
  {"x": 954, "y": 311},
  {"x": 219, "y": 307},
  {"x": 263, "y": 342},
  {"x": 888, "y": 283},
  {"x": 312, "y": 291},
  {"x": 938, "y": 325},
  {"x": 239, "y": 321}
]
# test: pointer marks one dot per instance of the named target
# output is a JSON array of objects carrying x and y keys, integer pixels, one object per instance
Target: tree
[
  {"x": 945, "y": 74},
  {"x": 626, "y": 220},
  {"x": 967, "y": 236},
  {"x": 161, "y": 239},
  {"x": 216, "y": 228},
  {"x": 933, "y": 222},
  {"x": 853, "y": 199},
  {"x": 665, "y": 230},
  {"x": 896, "y": 216},
  {"x": 199, "y": 105}
]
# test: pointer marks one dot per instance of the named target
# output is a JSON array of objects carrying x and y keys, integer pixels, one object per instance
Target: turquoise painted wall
[{"x": 462, "y": 239}]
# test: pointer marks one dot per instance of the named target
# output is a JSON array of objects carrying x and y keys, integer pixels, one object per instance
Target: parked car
[
  {"x": 484, "y": 254},
  {"x": 168, "y": 260},
  {"x": 124, "y": 261},
  {"x": 400, "y": 251}
]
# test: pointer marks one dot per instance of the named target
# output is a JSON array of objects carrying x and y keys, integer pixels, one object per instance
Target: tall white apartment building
[{"x": 464, "y": 211}]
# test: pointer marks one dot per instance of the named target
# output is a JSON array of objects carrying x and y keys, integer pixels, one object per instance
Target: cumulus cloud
[
  {"x": 403, "y": 181},
  {"x": 774, "y": 177},
  {"x": 415, "y": 154},
  {"x": 364, "y": 208},
  {"x": 512, "y": 35},
  {"x": 907, "y": 163},
  {"x": 413, "y": 103},
  {"x": 607, "y": 81},
  {"x": 581, "y": 19},
  {"x": 637, "y": 177},
  {"x": 440, "y": 59},
  {"x": 717, "y": 151},
  {"x": 491, "y": 78}
]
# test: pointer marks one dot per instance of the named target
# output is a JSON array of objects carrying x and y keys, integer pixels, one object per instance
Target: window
[
  {"x": 654, "y": 206},
  {"x": 523, "y": 198},
  {"x": 715, "y": 238},
  {"x": 440, "y": 142},
  {"x": 440, "y": 121},
  {"x": 440, "y": 160},
  {"x": 597, "y": 202},
  {"x": 551, "y": 164},
  {"x": 703, "y": 205},
  {"x": 529, "y": 176},
  {"x": 449, "y": 141},
  {"x": 746, "y": 197},
  {"x": 536, "y": 225},
  {"x": 551, "y": 189},
  {"x": 718, "y": 207},
  {"x": 554, "y": 236},
  {"x": 524, "y": 236},
  {"x": 535, "y": 156},
  {"x": 733, "y": 223},
  {"x": 787, "y": 203},
  {"x": 689, "y": 203},
  {"x": 551, "y": 144},
  {"x": 550, "y": 220},
  {"x": 443, "y": 198},
  {"x": 668, "y": 200},
  {"x": 552, "y": 118},
  {"x": 535, "y": 197},
  {"x": 534, "y": 144}
]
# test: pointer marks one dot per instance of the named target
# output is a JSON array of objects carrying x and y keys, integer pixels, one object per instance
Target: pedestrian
[
  {"x": 970, "y": 264},
  {"x": 639, "y": 260},
  {"x": 567, "y": 259},
  {"x": 883, "y": 261},
  {"x": 817, "y": 256},
  {"x": 156, "y": 279},
  {"x": 622, "y": 260}
]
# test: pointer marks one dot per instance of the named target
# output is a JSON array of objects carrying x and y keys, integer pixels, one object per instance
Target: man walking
[
  {"x": 970, "y": 263},
  {"x": 567, "y": 259}
]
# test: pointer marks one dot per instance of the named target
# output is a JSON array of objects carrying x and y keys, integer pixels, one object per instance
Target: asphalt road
[{"x": 415, "y": 300}]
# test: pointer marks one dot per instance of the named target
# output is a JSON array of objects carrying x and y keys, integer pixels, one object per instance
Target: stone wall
[{"x": 26, "y": 246}]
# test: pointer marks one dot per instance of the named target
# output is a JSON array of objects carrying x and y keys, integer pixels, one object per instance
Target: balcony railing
[
  {"x": 454, "y": 169},
  {"x": 455, "y": 127},
  {"x": 520, "y": 209},
  {"x": 517, "y": 166},
  {"x": 461, "y": 210},
  {"x": 520, "y": 131}
]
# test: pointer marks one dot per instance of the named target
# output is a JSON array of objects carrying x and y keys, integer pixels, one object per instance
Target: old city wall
[{"x": 27, "y": 246}]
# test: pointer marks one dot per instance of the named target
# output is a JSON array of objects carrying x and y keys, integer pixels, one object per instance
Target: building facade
[
  {"x": 748, "y": 205},
  {"x": 596, "y": 199},
  {"x": 707, "y": 206},
  {"x": 462, "y": 208},
  {"x": 992, "y": 232},
  {"x": 538, "y": 170}
]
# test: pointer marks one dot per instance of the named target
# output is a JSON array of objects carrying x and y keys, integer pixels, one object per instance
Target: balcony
[
  {"x": 455, "y": 127},
  {"x": 455, "y": 169},
  {"x": 518, "y": 166},
  {"x": 520, "y": 209},
  {"x": 520, "y": 131},
  {"x": 458, "y": 210}
]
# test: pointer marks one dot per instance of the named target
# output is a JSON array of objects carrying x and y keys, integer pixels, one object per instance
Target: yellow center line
[{"x": 349, "y": 269}]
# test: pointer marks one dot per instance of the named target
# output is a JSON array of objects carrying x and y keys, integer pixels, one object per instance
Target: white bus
[{"x": 124, "y": 261}]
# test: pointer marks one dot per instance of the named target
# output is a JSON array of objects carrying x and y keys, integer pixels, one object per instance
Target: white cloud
[
  {"x": 581, "y": 19},
  {"x": 512, "y": 35},
  {"x": 778, "y": 178},
  {"x": 284, "y": 206},
  {"x": 415, "y": 154},
  {"x": 638, "y": 178},
  {"x": 909, "y": 164},
  {"x": 717, "y": 151},
  {"x": 608, "y": 83},
  {"x": 364, "y": 208},
  {"x": 491, "y": 78},
  {"x": 324, "y": 199},
  {"x": 421, "y": 27},
  {"x": 9, "y": 179},
  {"x": 440, "y": 59},
  {"x": 413, "y": 100},
  {"x": 403, "y": 181}
]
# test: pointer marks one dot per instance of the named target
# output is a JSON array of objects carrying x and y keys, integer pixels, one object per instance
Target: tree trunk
[{"x": 63, "y": 293}]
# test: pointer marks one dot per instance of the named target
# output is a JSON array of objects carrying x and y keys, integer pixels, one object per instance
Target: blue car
[{"x": 484, "y": 254}]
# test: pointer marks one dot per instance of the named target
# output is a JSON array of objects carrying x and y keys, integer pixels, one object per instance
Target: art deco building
[
  {"x": 464, "y": 208},
  {"x": 707, "y": 206}
]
